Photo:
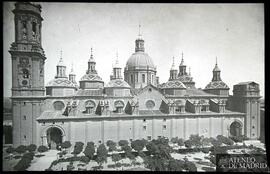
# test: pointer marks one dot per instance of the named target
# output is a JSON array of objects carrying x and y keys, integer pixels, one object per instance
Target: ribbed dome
[
  {"x": 216, "y": 68},
  {"x": 91, "y": 77},
  {"x": 140, "y": 59}
]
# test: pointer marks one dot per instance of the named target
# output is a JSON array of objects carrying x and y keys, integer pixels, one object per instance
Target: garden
[{"x": 195, "y": 154}]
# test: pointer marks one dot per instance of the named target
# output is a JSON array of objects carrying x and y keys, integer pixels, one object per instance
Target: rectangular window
[
  {"x": 24, "y": 136},
  {"x": 137, "y": 77},
  {"x": 144, "y": 120},
  {"x": 144, "y": 127},
  {"x": 24, "y": 117},
  {"x": 164, "y": 119},
  {"x": 143, "y": 78},
  {"x": 131, "y": 78}
]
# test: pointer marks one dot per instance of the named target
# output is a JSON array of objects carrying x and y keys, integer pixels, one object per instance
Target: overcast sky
[{"x": 234, "y": 33}]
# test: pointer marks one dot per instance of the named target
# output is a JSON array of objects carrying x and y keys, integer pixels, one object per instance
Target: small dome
[
  {"x": 91, "y": 77},
  {"x": 217, "y": 85},
  {"x": 216, "y": 68},
  {"x": 117, "y": 83},
  {"x": 140, "y": 59},
  {"x": 173, "y": 84},
  {"x": 61, "y": 82},
  {"x": 185, "y": 78}
]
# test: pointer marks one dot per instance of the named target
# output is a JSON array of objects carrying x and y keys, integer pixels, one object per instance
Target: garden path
[{"x": 44, "y": 162}]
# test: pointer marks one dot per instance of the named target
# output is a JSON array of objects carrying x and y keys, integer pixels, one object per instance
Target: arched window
[
  {"x": 119, "y": 105},
  {"x": 90, "y": 106},
  {"x": 131, "y": 78},
  {"x": 143, "y": 78}
]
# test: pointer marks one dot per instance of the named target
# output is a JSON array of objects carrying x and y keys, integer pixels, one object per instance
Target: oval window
[
  {"x": 150, "y": 104},
  {"x": 58, "y": 105}
]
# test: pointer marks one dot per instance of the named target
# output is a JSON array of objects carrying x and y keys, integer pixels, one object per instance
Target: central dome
[{"x": 140, "y": 59}]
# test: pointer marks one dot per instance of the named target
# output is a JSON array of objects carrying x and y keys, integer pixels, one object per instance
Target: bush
[
  {"x": 188, "y": 144},
  {"x": 175, "y": 165},
  {"x": 225, "y": 140},
  {"x": 17, "y": 156},
  {"x": 206, "y": 142},
  {"x": 42, "y": 149},
  {"x": 85, "y": 159},
  {"x": 29, "y": 155},
  {"x": 101, "y": 154},
  {"x": 190, "y": 166},
  {"x": 138, "y": 145},
  {"x": 240, "y": 138},
  {"x": 205, "y": 150},
  {"x": 10, "y": 150},
  {"x": 66, "y": 144},
  {"x": 180, "y": 142},
  {"x": 91, "y": 143},
  {"x": 141, "y": 154},
  {"x": 21, "y": 149},
  {"x": 89, "y": 151},
  {"x": 196, "y": 140},
  {"x": 38, "y": 156},
  {"x": 123, "y": 143},
  {"x": 208, "y": 169},
  {"x": 97, "y": 167},
  {"x": 215, "y": 142},
  {"x": 112, "y": 145},
  {"x": 116, "y": 157},
  {"x": 78, "y": 148},
  {"x": 174, "y": 140},
  {"x": 32, "y": 147}
]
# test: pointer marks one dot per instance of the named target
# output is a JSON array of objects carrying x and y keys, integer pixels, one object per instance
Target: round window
[
  {"x": 58, "y": 105},
  {"x": 150, "y": 104}
]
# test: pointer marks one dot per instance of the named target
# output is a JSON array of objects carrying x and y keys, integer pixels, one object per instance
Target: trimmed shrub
[
  {"x": 102, "y": 154},
  {"x": 78, "y": 148},
  {"x": 85, "y": 159},
  {"x": 89, "y": 151},
  {"x": 205, "y": 150},
  {"x": 225, "y": 140},
  {"x": 215, "y": 142},
  {"x": 180, "y": 142},
  {"x": 138, "y": 145},
  {"x": 32, "y": 147},
  {"x": 21, "y": 149},
  {"x": 190, "y": 166},
  {"x": 10, "y": 150},
  {"x": 116, "y": 157},
  {"x": 123, "y": 143},
  {"x": 206, "y": 142},
  {"x": 174, "y": 140},
  {"x": 188, "y": 144},
  {"x": 42, "y": 149},
  {"x": 66, "y": 144},
  {"x": 196, "y": 140}
]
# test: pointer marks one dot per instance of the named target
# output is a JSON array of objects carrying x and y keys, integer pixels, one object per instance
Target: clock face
[{"x": 24, "y": 82}]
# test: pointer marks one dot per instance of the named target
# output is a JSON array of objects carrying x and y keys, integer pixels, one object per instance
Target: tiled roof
[
  {"x": 86, "y": 92},
  {"x": 61, "y": 82},
  {"x": 91, "y": 77},
  {"x": 173, "y": 84},
  {"x": 217, "y": 85},
  {"x": 117, "y": 83}
]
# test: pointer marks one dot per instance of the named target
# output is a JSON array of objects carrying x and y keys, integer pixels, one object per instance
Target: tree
[
  {"x": 101, "y": 154},
  {"x": 78, "y": 148},
  {"x": 131, "y": 157},
  {"x": 152, "y": 148},
  {"x": 66, "y": 145},
  {"x": 89, "y": 151},
  {"x": 225, "y": 140},
  {"x": 188, "y": 144},
  {"x": 196, "y": 140},
  {"x": 112, "y": 145},
  {"x": 180, "y": 142},
  {"x": 32, "y": 147},
  {"x": 206, "y": 141},
  {"x": 42, "y": 149},
  {"x": 116, "y": 157},
  {"x": 175, "y": 165},
  {"x": 137, "y": 145},
  {"x": 123, "y": 143},
  {"x": 85, "y": 159},
  {"x": 21, "y": 149},
  {"x": 174, "y": 140}
]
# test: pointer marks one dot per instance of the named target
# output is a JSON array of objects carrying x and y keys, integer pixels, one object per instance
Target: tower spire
[
  {"x": 189, "y": 73},
  {"x": 173, "y": 65},
  {"x": 182, "y": 60},
  {"x": 216, "y": 60},
  {"x": 140, "y": 34}
]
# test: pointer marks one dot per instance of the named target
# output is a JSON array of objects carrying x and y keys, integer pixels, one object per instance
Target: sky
[{"x": 234, "y": 33}]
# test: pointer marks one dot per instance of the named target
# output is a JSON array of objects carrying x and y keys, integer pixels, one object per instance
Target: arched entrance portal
[
  {"x": 54, "y": 137},
  {"x": 236, "y": 129}
]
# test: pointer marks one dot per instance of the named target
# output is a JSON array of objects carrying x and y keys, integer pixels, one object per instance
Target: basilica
[{"x": 132, "y": 105}]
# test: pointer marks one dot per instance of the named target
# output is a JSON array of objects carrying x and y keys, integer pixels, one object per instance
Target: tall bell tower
[{"x": 28, "y": 60}]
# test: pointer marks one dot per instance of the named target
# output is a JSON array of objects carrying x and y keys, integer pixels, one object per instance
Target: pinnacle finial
[
  {"x": 216, "y": 60},
  {"x": 189, "y": 73},
  {"x": 91, "y": 52},
  {"x": 182, "y": 55},
  {"x": 173, "y": 60},
  {"x": 182, "y": 60},
  {"x": 61, "y": 54}
]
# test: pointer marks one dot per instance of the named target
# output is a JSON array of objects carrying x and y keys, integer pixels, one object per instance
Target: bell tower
[{"x": 28, "y": 60}]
